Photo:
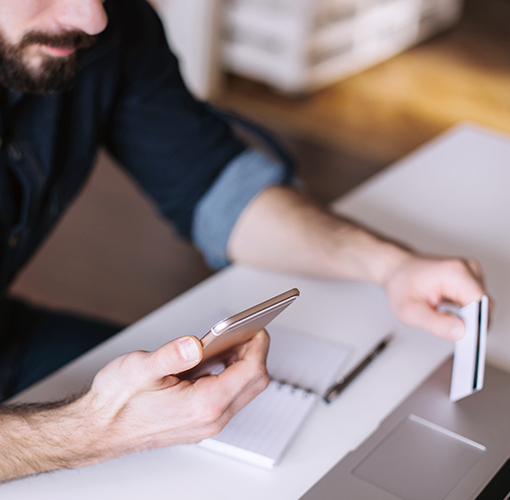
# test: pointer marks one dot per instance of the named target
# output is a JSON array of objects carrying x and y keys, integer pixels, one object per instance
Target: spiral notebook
[{"x": 302, "y": 367}]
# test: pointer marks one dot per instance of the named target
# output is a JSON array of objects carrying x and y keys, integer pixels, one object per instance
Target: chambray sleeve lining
[{"x": 243, "y": 178}]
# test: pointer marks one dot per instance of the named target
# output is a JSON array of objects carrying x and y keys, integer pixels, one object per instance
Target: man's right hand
[{"x": 136, "y": 402}]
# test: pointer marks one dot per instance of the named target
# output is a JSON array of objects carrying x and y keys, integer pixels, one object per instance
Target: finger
[
  {"x": 223, "y": 395},
  {"x": 174, "y": 357},
  {"x": 475, "y": 268},
  {"x": 248, "y": 371},
  {"x": 459, "y": 285},
  {"x": 233, "y": 406},
  {"x": 240, "y": 352},
  {"x": 442, "y": 325},
  {"x": 241, "y": 401},
  {"x": 250, "y": 364},
  {"x": 471, "y": 290},
  {"x": 256, "y": 349}
]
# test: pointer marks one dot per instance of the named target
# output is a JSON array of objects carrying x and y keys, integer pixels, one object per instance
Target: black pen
[{"x": 342, "y": 382}]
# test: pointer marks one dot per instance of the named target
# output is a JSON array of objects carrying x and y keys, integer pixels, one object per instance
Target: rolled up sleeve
[{"x": 243, "y": 178}]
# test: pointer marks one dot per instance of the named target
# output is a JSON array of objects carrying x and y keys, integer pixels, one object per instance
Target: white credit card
[{"x": 469, "y": 356}]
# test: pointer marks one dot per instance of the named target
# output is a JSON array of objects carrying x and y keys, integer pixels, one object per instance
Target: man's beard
[{"x": 52, "y": 74}]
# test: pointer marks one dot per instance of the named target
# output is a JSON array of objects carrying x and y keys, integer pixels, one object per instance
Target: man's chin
[{"x": 40, "y": 75}]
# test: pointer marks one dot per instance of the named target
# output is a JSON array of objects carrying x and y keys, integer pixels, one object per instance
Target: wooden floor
[
  {"x": 112, "y": 257},
  {"x": 386, "y": 111}
]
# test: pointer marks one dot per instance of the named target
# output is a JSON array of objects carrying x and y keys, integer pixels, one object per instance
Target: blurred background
[{"x": 348, "y": 86}]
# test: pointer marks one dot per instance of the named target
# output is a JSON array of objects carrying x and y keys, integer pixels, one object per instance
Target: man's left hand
[{"x": 419, "y": 284}]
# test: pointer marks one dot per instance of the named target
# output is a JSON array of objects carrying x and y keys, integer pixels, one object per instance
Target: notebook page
[{"x": 262, "y": 430}]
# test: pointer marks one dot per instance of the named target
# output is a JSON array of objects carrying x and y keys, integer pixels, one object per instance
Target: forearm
[
  {"x": 40, "y": 438},
  {"x": 284, "y": 230}
]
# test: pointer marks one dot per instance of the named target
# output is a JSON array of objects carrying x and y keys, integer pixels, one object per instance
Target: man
[{"x": 78, "y": 74}]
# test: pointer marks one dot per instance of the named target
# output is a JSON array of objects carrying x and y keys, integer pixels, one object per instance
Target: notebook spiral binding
[{"x": 281, "y": 384}]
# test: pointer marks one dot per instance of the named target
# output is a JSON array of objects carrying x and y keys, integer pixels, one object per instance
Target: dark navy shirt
[{"x": 130, "y": 98}]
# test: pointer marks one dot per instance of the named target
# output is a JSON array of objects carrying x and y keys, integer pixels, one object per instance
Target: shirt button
[{"x": 14, "y": 152}]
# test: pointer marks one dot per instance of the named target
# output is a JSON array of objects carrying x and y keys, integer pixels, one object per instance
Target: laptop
[{"x": 430, "y": 448}]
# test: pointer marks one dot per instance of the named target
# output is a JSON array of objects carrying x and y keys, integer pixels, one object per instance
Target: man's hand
[
  {"x": 419, "y": 284},
  {"x": 139, "y": 403},
  {"x": 136, "y": 402}
]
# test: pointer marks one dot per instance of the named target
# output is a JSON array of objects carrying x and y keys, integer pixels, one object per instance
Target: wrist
[
  {"x": 87, "y": 444},
  {"x": 97, "y": 437},
  {"x": 74, "y": 434},
  {"x": 361, "y": 255},
  {"x": 391, "y": 259}
]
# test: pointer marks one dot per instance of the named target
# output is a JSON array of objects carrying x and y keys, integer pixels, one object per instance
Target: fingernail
[
  {"x": 188, "y": 349},
  {"x": 457, "y": 332}
]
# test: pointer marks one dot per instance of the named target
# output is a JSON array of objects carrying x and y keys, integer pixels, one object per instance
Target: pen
[{"x": 342, "y": 382}]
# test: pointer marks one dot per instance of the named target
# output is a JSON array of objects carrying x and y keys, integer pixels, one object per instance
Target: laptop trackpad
[{"x": 419, "y": 460}]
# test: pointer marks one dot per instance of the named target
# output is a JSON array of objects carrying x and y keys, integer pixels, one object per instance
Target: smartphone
[{"x": 224, "y": 337}]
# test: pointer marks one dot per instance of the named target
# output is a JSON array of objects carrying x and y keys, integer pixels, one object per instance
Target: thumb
[
  {"x": 175, "y": 357},
  {"x": 447, "y": 326}
]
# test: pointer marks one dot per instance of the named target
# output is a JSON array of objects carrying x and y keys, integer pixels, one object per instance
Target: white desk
[{"x": 439, "y": 200}]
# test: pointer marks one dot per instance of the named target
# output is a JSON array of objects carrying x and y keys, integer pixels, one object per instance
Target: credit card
[{"x": 469, "y": 355}]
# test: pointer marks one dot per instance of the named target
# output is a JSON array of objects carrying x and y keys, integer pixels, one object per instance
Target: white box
[{"x": 301, "y": 45}]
